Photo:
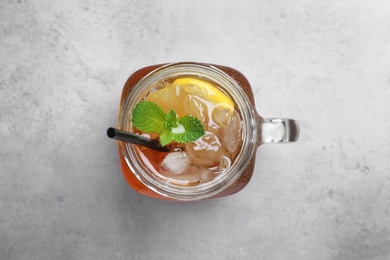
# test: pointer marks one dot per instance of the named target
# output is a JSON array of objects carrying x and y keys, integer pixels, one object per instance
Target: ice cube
[
  {"x": 175, "y": 162},
  {"x": 221, "y": 114},
  {"x": 191, "y": 176},
  {"x": 207, "y": 176},
  {"x": 224, "y": 164},
  {"x": 206, "y": 151},
  {"x": 231, "y": 134}
]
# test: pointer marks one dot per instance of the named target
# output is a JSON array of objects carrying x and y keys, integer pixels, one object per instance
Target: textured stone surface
[{"x": 325, "y": 63}]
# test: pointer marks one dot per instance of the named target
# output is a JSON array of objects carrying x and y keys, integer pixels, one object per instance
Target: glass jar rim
[{"x": 249, "y": 131}]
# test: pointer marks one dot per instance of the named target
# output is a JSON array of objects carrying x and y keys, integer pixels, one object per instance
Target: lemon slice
[
  {"x": 177, "y": 96},
  {"x": 205, "y": 91}
]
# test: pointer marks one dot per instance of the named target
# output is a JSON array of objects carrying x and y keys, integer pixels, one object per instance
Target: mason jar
[{"x": 255, "y": 131}]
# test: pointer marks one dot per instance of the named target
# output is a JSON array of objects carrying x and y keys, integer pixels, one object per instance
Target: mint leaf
[
  {"x": 166, "y": 137},
  {"x": 170, "y": 119},
  {"x": 193, "y": 129},
  {"x": 149, "y": 117},
  {"x": 188, "y": 129}
]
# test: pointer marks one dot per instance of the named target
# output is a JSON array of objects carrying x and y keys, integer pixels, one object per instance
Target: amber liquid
[{"x": 156, "y": 157}]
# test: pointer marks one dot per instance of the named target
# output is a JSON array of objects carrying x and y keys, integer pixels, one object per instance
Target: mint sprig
[{"x": 149, "y": 117}]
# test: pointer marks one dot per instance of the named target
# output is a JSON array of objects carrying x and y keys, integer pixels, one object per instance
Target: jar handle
[{"x": 279, "y": 130}]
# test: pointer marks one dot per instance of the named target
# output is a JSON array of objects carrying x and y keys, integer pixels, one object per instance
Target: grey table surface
[{"x": 325, "y": 63}]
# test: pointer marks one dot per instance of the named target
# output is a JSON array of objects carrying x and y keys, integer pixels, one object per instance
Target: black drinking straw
[{"x": 135, "y": 139}]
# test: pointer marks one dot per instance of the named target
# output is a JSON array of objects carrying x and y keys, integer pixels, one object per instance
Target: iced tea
[{"x": 206, "y": 158}]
